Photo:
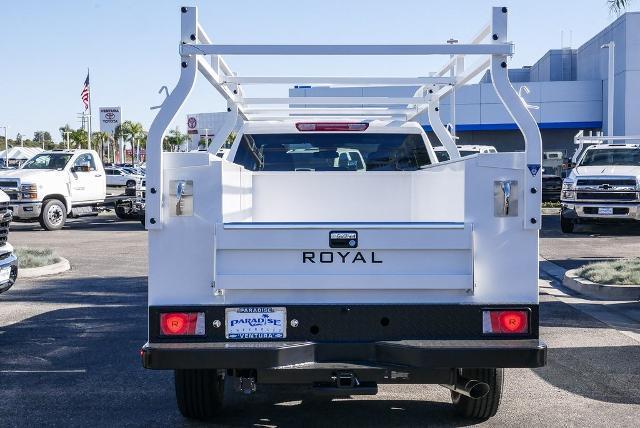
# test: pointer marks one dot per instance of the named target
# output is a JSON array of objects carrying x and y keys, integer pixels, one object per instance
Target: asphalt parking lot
[{"x": 69, "y": 349}]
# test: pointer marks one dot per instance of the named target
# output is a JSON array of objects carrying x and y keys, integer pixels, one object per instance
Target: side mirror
[{"x": 81, "y": 168}]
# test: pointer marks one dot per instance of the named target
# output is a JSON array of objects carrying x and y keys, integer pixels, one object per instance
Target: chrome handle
[
  {"x": 506, "y": 192},
  {"x": 98, "y": 175},
  {"x": 180, "y": 188}
]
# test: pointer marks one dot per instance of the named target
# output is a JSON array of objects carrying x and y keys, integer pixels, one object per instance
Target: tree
[
  {"x": 101, "y": 138},
  {"x": 78, "y": 138},
  {"x": 42, "y": 137},
  {"x": 174, "y": 140},
  {"x": 618, "y": 6},
  {"x": 130, "y": 131}
]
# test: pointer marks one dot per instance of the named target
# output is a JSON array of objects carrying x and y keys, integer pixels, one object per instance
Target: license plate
[
  {"x": 605, "y": 211},
  {"x": 256, "y": 323},
  {"x": 5, "y": 274}
]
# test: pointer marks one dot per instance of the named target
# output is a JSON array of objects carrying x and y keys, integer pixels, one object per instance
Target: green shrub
[
  {"x": 35, "y": 257},
  {"x": 617, "y": 272}
]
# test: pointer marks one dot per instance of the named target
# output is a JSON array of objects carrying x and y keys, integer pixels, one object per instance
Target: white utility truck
[
  {"x": 464, "y": 150},
  {"x": 604, "y": 184},
  {"x": 8, "y": 260},
  {"x": 283, "y": 264},
  {"x": 57, "y": 184}
]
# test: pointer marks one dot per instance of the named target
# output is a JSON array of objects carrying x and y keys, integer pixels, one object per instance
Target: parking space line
[{"x": 44, "y": 371}]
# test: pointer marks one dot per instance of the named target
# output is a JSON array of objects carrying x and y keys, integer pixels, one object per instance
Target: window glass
[
  {"x": 332, "y": 152},
  {"x": 48, "y": 161},
  {"x": 86, "y": 159},
  {"x": 605, "y": 157}
]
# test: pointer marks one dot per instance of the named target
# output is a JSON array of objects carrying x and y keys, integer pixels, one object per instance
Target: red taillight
[
  {"x": 182, "y": 324},
  {"x": 330, "y": 126},
  {"x": 505, "y": 322}
]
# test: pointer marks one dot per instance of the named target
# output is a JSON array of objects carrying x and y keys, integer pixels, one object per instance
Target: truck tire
[
  {"x": 53, "y": 215},
  {"x": 567, "y": 225},
  {"x": 487, "y": 406},
  {"x": 124, "y": 213},
  {"x": 200, "y": 393},
  {"x": 131, "y": 183}
]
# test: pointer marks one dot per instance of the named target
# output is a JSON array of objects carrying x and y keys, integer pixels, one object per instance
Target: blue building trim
[{"x": 513, "y": 127}]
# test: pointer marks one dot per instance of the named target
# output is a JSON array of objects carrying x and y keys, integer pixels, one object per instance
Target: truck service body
[
  {"x": 57, "y": 184},
  {"x": 331, "y": 249}
]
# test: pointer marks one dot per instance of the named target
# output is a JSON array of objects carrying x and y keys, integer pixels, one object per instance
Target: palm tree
[
  {"x": 130, "y": 132},
  {"x": 174, "y": 140},
  {"x": 101, "y": 137},
  {"x": 618, "y": 6}
]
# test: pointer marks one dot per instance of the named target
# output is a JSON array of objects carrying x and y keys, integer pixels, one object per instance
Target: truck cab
[
  {"x": 49, "y": 185},
  {"x": 604, "y": 186}
]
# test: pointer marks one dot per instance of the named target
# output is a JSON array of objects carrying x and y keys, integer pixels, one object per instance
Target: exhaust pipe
[{"x": 468, "y": 387}]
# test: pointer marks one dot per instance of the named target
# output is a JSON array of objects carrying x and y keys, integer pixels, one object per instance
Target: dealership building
[{"x": 566, "y": 88}]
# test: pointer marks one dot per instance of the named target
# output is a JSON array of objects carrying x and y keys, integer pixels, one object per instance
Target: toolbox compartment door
[{"x": 298, "y": 256}]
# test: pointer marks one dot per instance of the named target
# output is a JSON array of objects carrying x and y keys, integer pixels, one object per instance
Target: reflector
[
  {"x": 182, "y": 324},
  {"x": 505, "y": 322}
]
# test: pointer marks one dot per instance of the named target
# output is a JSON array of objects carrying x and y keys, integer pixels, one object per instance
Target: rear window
[{"x": 332, "y": 152}]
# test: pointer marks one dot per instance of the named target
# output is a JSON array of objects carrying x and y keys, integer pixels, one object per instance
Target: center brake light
[
  {"x": 182, "y": 324},
  {"x": 331, "y": 126},
  {"x": 505, "y": 321}
]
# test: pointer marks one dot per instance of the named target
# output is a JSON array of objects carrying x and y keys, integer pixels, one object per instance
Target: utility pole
[
  {"x": 611, "y": 76},
  {"x": 66, "y": 134}
]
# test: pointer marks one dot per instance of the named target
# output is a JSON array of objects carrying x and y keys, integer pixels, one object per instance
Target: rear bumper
[{"x": 417, "y": 354}]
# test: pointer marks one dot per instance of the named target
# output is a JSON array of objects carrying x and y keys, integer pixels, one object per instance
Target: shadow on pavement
[
  {"x": 609, "y": 373},
  {"x": 100, "y": 223}
]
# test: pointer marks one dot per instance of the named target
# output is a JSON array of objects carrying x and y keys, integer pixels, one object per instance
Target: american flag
[{"x": 85, "y": 93}]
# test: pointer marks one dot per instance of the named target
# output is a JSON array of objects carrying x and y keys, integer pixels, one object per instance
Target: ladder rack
[{"x": 200, "y": 55}]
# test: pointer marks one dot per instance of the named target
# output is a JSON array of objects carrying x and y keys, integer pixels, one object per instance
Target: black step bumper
[{"x": 419, "y": 354}]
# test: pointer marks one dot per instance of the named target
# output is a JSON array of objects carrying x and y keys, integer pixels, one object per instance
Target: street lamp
[{"x": 610, "y": 86}]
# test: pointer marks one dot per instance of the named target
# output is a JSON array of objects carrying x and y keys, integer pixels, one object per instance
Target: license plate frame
[
  {"x": 255, "y": 323},
  {"x": 605, "y": 211}
]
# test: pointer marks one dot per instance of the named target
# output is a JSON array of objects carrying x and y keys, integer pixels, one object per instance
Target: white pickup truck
[
  {"x": 286, "y": 262},
  {"x": 8, "y": 260},
  {"x": 604, "y": 185},
  {"x": 57, "y": 184}
]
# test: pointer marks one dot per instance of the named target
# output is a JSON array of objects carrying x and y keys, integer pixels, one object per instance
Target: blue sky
[{"x": 131, "y": 46}]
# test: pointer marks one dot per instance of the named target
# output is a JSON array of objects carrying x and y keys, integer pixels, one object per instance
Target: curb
[
  {"x": 601, "y": 291},
  {"x": 62, "y": 266}
]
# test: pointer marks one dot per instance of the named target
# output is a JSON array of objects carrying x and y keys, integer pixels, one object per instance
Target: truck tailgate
[{"x": 431, "y": 256}]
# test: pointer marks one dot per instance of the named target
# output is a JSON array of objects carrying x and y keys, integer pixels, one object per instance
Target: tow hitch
[{"x": 346, "y": 383}]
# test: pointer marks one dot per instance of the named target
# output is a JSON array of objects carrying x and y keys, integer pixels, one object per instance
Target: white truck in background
[
  {"x": 297, "y": 267},
  {"x": 604, "y": 184},
  {"x": 8, "y": 260},
  {"x": 57, "y": 184}
]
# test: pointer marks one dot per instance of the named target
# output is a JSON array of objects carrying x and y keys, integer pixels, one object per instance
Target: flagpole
[{"x": 89, "y": 126}]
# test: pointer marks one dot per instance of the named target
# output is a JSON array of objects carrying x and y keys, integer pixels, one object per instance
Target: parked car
[
  {"x": 121, "y": 177},
  {"x": 551, "y": 187},
  {"x": 603, "y": 186},
  {"x": 8, "y": 260}
]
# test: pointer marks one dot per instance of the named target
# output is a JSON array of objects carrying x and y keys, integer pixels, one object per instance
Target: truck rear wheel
[
  {"x": 53, "y": 215},
  {"x": 487, "y": 406},
  {"x": 566, "y": 225},
  {"x": 200, "y": 393}
]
